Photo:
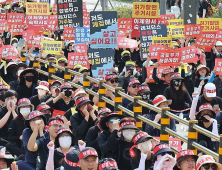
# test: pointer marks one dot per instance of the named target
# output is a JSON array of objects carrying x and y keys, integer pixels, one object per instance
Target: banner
[
  {"x": 210, "y": 24},
  {"x": 37, "y": 22},
  {"x": 17, "y": 20},
  {"x": 38, "y": 40},
  {"x": 2, "y": 17},
  {"x": 173, "y": 142},
  {"x": 176, "y": 31},
  {"x": 78, "y": 58},
  {"x": 175, "y": 22},
  {"x": 153, "y": 50},
  {"x": 54, "y": 9},
  {"x": 81, "y": 48},
  {"x": 84, "y": 7},
  {"x": 145, "y": 10},
  {"x": 163, "y": 19},
  {"x": 69, "y": 33},
  {"x": 101, "y": 61},
  {"x": 122, "y": 23},
  {"x": 188, "y": 55},
  {"x": 37, "y": 8},
  {"x": 52, "y": 22},
  {"x": 203, "y": 42},
  {"x": 123, "y": 42},
  {"x": 51, "y": 47},
  {"x": 29, "y": 36},
  {"x": 70, "y": 14},
  {"x": 147, "y": 32},
  {"x": 9, "y": 52},
  {"x": 2, "y": 26},
  {"x": 218, "y": 66},
  {"x": 159, "y": 72},
  {"x": 219, "y": 34},
  {"x": 103, "y": 29},
  {"x": 136, "y": 22},
  {"x": 82, "y": 35},
  {"x": 169, "y": 58},
  {"x": 86, "y": 19},
  {"x": 191, "y": 31},
  {"x": 162, "y": 41}
]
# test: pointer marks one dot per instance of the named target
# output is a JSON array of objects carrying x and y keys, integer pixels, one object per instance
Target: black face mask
[
  {"x": 177, "y": 83},
  {"x": 29, "y": 78},
  {"x": 125, "y": 59},
  {"x": 204, "y": 119},
  {"x": 145, "y": 96},
  {"x": 2, "y": 97},
  {"x": 68, "y": 93}
]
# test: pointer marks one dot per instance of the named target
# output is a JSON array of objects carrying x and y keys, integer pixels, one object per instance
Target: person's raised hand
[
  {"x": 14, "y": 166},
  {"x": 157, "y": 117},
  {"x": 115, "y": 125},
  {"x": 61, "y": 94},
  {"x": 51, "y": 145},
  {"x": 84, "y": 110},
  {"x": 207, "y": 117},
  {"x": 157, "y": 64},
  {"x": 90, "y": 109},
  {"x": 127, "y": 73},
  {"x": 202, "y": 82}
]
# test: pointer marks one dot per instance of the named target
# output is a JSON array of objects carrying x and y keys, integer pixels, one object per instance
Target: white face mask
[
  {"x": 15, "y": 45},
  {"x": 41, "y": 92},
  {"x": 81, "y": 79},
  {"x": 147, "y": 146},
  {"x": 25, "y": 111},
  {"x": 65, "y": 141},
  {"x": 128, "y": 134},
  {"x": 19, "y": 72}
]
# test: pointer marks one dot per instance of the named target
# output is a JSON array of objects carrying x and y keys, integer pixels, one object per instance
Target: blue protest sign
[{"x": 82, "y": 35}]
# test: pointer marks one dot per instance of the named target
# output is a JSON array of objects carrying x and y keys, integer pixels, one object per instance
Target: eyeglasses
[
  {"x": 112, "y": 120},
  {"x": 134, "y": 86},
  {"x": 56, "y": 86},
  {"x": 114, "y": 81},
  {"x": 207, "y": 166},
  {"x": 169, "y": 153}
]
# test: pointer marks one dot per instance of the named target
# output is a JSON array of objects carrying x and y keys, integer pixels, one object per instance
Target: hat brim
[
  {"x": 198, "y": 114},
  {"x": 143, "y": 91},
  {"x": 206, "y": 162},
  {"x": 56, "y": 81},
  {"x": 25, "y": 104},
  {"x": 80, "y": 92},
  {"x": 83, "y": 102},
  {"x": 67, "y": 167},
  {"x": 177, "y": 78},
  {"x": 28, "y": 120},
  {"x": 17, "y": 67},
  {"x": 161, "y": 151},
  {"x": 208, "y": 70},
  {"x": 104, "y": 120},
  {"x": 211, "y": 94},
  {"x": 142, "y": 138},
  {"x": 22, "y": 79},
  {"x": 194, "y": 156},
  {"x": 169, "y": 102},
  {"x": 42, "y": 87},
  {"x": 128, "y": 127},
  {"x": 66, "y": 87}
]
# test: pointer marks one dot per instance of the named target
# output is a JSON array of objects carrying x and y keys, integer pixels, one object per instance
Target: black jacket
[
  {"x": 14, "y": 85},
  {"x": 61, "y": 105},
  {"x": 25, "y": 92}
]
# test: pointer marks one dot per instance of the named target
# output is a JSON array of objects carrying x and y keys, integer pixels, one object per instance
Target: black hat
[
  {"x": 80, "y": 100},
  {"x": 176, "y": 76},
  {"x": 143, "y": 88},
  {"x": 25, "y": 102},
  {"x": 60, "y": 131},
  {"x": 127, "y": 124},
  {"x": 108, "y": 164},
  {"x": 29, "y": 70},
  {"x": 140, "y": 136},
  {"x": 32, "y": 115},
  {"x": 21, "y": 64},
  {"x": 70, "y": 162},
  {"x": 87, "y": 151},
  {"x": 160, "y": 148},
  {"x": 95, "y": 86},
  {"x": 106, "y": 119}
]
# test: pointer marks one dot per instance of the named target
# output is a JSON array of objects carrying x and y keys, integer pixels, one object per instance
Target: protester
[
  {"x": 207, "y": 162},
  {"x": 3, "y": 89},
  {"x": 46, "y": 110},
  {"x": 108, "y": 163}
]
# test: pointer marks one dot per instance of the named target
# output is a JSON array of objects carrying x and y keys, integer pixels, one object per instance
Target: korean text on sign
[
  {"x": 51, "y": 47},
  {"x": 175, "y": 22},
  {"x": 82, "y": 35},
  {"x": 169, "y": 58},
  {"x": 145, "y": 10},
  {"x": 162, "y": 41},
  {"x": 122, "y": 22},
  {"x": 123, "y": 42},
  {"x": 150, "y": 73},
  {"x": 153, "y": 50},
  {"x": 210, "y": 24},
  {"x": 78, "y": 58},
  {"x": 29, "y": 36},
  {"x": 218, "y": 66},
  {"x": 69, "y": 33},
  {"x": 192, "y": 30},
  {"x": 204, "y": 42},
  {"x": 9, "y": 52},
  {"x": 176, "y": 31},
  {"x": 219, "y": 33},
  {"x": 37, "y": 8},
  {"x": 81, "y": 48},
  {"x": 188, "y": 55}
]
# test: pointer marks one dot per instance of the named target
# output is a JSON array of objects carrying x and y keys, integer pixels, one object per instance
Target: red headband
[
  {"x": 4, "y": 87},
  {"x": 65, "y": 84},
  {"x": 175, "y": 75},
  {"x": 45, "y": 106},
  {"x": 56, "y": 122},
  {"x": 205, "y": 106},
  {"x": 168, "y": 70},
  {"x": 63, "y": 130},
  {"x": 209, "y": 91},
  {"x": 143, "y": 88},
  {"x": 113, "y": 76},
  {"x": 81, "y": 99},
  {"x": 138, "y": 136},
  {"x": 159, "y": 147},
  {"x": 78, "y": 90},
  {"x": 73, "y": 164},
  {"x": 105, "y": 109},
  {"x": 95, "y": 85},
  {"x": 34, "y": 114},
  {"x": 185, "y": 153},
  {"x": 127, "y": 123},
  {"x": 24, "y": 100},
  {"x": 87, "y": 153},
  {"x": 134, "y": 82},
  {"x": 159, "y": 100},
  {"x": 107, "y": 164},
  {"x": 44, "y": 83},
  {"x": 206, "y": 159}
]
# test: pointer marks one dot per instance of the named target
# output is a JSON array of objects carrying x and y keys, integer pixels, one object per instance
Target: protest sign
[
  {"x": 173, "y": 142},
  {"x": 17, "y": 22},
  {"x": 188, "y": 55},
  {"x": 78, "y": 58},
  {"x": 81, "y": 48},
  {"x": 136, "y": 22},
  {"x": 37, "y": 22},
  {"x": 51, "y": 47},
  {"x": 122, "y": 22},
  {"x": 169, "y": 57},
  {"x": 38, "y": 40},
  {"x": 123, "y": 42},
  {"x": 167, "y": 17},
  {"x": 52, "y": 22},
  {"x": 70, "y": 14},
  {"x": 103, "y": 29},
  {"x": 162, "y": 41},
  {"x": 9, "y": 52},
  {"x": 84, "y": 7},
  {"x": 128, "y": 29},
  {"x": 192, "y": 31},
  {"x": 210, "y": 24},
  {"x": 147, "y": 32},
  {"x": 175, "y": 22},
  {"x": 203, "y": 42},
  {"x": 2, "y": 17},
  {"x": 82, "y": 35},
  {"x": 218, "y": 66},
  {"x": 37, "y": 8},
  {"x": 86, "y": 19},
  {"x": 21, "y": 44},
  {"x": 2, "y": 26},
  {"x": 1, "y": 44},
  {"x": 145, "y": 10},
  {"x": 153, "y": 50},
  {"x": 158, "y": 73},
  {"x": 101, "y": 61},
  {"x": 176, "y": 31},
  {"x": 29, "y": 36},
  {"x": 69, "y": 33},
  {"x": 219, "y": 33}
]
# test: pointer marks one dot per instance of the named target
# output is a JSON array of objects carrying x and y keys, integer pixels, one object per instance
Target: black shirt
[
  {"x": 7, "y": 37},
  {"x": 14, "y": 85},
  {"x": 35, "y": 101},
  {"x": 215, "y": 101},
  {"x": 25, "y": 92},
  {"x": 61, "y": 104}
]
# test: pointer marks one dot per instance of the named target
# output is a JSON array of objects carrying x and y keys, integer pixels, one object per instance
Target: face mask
[
  {"x": 15, "y": 45},
  {"x": 204, "y": 119},
  {"x": 128, "y": 134},
  {"x": 25, "y": 111},
  {"x": 125, "y": 59},
  {"x": 68, "y": 93},
  {"x": 147, "y": 146},
  {"x": 65, "y": 141},
  {"x": 177, "y": 83},
  {"x": 19, "y": 72},
  {"x": 145, "y": 96},
  {"x": 29, "y": 78},
  {"x": 2, "y": 98},
  {"x": 41, "y": 92}
]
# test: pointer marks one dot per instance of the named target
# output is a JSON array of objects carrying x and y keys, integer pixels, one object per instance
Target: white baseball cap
[
  {"x": 210, "y": 90},
  {"x": 218, "y": 43}
]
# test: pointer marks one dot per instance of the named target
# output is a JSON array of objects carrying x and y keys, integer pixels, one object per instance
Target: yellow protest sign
[
  {"x": 162, "y": 41},
  {"x": 210, "y": 24},
  {"x": 176, "y": 31},
  {"x": 176, "y": 22},
  {"x": 51, "y": 47},
  {"x": 145, "y": 10},
  {"x": 37, "y": 8}
]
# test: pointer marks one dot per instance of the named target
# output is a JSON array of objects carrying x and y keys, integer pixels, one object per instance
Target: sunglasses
[
  {"x": 169, "y": 153},
  {"x": 112, "y": 120},
  {"x": 56, "y": 86},
  {"x": 208, "y": 166},
  {"x": 114, "y": 81},
  {"x": 134, "y": 86}
]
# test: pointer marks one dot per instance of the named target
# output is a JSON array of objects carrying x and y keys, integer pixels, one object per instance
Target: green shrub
[{"x": 123, "y": 11}]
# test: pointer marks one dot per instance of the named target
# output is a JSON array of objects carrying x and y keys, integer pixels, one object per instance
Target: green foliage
[
  {"x": 123, "y": 11},
  {"x": 214, "y": 2}
]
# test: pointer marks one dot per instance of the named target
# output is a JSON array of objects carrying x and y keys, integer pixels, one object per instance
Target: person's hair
[
  {"x": 10, "y": 93},
  {"x": 197, "y": 76},
  {"x": 55, "y": 118},
  {"x": 182, "y": 91}
]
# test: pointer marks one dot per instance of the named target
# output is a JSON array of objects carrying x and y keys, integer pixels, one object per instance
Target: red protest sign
[
  {"x": 123, "y": 42},
  {"x": 1, "y": 43},
  {"x": 15, "y": 17},
  {"x": 54, "y": 9},
  {"x": 192, "y": 30},
  {"x": 128, "y": 28},
  {"x": 78, "y": 58},
  {"x": 86, "y": 19},
  {"x": 163, "y": 19},
  {"x": 219, "y": 33},
  {"x": 81, "y": 48},
  {"x": 84, "y": 7},
  {"x": 36, "y": 22},
  {"x": 18, "y": 28},
  {"x": 154, "y": 48},
  {"x": 2, "y": 17},
  {"x": 17, "y": 20},
  {"x": 188, "y": 55},
  {"x": 169, "y": 58},
  {"x": 173, "y": 142},
  {"x": 150, "y": 73},
  {"x": 29, "y": 36},
  {"x": 69, "y": 33},
  {"x": 38, "y": 40},
  {"x": 136, "y": 22},
  {"x": 9, "y": 52},
  {"x": 52, "y": 22},
  {"x": 218, "y": 66},
  {"x": 203, "y": 42},
  {"x": 122, "y": 22},
  {"x": 2, "y": 26}
]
